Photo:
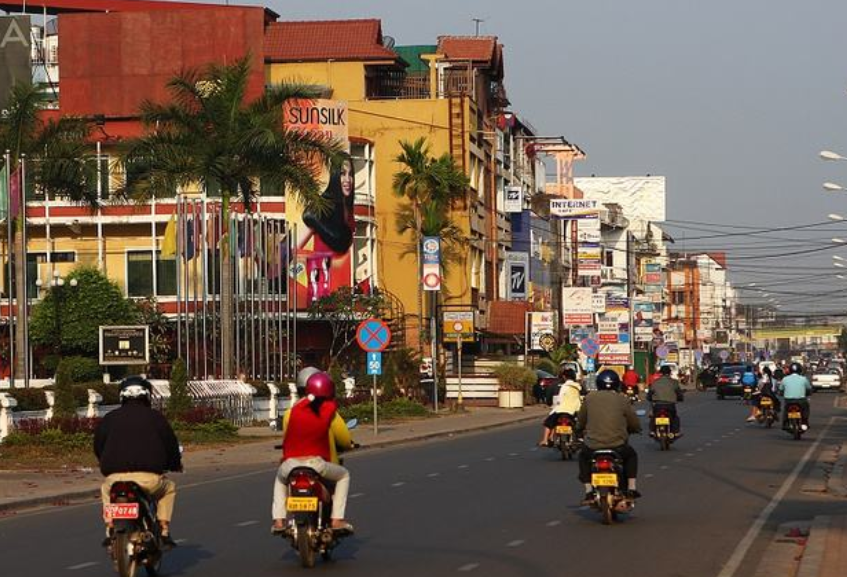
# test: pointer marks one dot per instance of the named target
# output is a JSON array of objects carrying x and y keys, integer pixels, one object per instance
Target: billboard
[
  {"x": 517, "y": 279},
  {"x": 573, "y": 208},
  {"x": 641, "y": 197},
  {"x": 15, "y": 55},
  {"x": 458, "y": 325},
  {"x": 540, "y": 324},
  {"x": 124, "y": 345},
  {"x": 577, "y": 306},
  {"x": 324, "y": 258},
  {"x": 431, "y": 254}
]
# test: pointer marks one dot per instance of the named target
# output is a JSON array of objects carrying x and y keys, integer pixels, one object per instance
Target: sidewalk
[{"x": 23, "y": 489}]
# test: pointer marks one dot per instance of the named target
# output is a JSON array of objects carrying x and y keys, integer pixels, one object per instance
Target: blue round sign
[
  {"x": 373, "y": 335},
  {"x": 589, "y": 347}
]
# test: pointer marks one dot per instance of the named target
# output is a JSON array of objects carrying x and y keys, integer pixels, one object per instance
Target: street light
[
  {"x": 834, "y": 216},
  {"x": 837, "y": 240},
  {"x": 833, "y": 187},
  {"x": 839, "y": 264},
  {"x": 838, "y": 257},
  {"x": 830, "y": 155}
]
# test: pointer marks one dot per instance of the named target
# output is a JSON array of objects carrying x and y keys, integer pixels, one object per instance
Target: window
[
  {"x": 139, "y": 274},
  {"x": 678, "y": 297},
  {"x": 608, "y": 257}
]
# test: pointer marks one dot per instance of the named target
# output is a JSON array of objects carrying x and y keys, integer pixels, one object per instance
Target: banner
[
  {"x": 588, "y": 228},
  {"x": 571, "y": 208},
  {"x": 323, "y": 241},
  {"x": 589, "y": 259},
  {"x": 540, "y": 324},
  {"x": 615, "y": 354},
  {"x": 15, "y": 55},
  {"x": 642, "y": 320},
  {"x": 577, "y": 306},
  {"x": 431, "y": 255}
]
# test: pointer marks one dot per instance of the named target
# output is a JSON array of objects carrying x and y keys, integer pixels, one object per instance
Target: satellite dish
[{"x": 388, "y": 42}]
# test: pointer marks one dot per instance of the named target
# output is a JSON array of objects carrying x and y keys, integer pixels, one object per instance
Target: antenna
[
  {"x": 388, "y": 41},
  {"x": 477, "y": 22}
]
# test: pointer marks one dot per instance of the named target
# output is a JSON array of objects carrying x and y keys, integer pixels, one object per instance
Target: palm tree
[
  {"x": 431, "y": 186},
  {"x": 56, "y": 155},
  {"x": 208, "y": 135}
]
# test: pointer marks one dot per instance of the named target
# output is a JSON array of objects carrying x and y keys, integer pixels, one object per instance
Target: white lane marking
[
  {"x": 708, "y": 444},
  {"x": 677, "y": 460},
  {"x": 178, "y": 541},
  {"x": 663, "y": 467},
  {"x": 533, "y": 449},
  {"x": 246, "y": 523},
  {"x": 699, "y": 449},
  {"x": 689, "y": 454},
  {"x": 468, "y": 567},
  {"x": 433, "y": 475},
  {"x": 553, "y": 523},
  {"x": 398, "y": 484},
  {"x": 744, "y": 545},
  {"x": 464, "y": 466},
  {"x": 648, "y": 475},
  {"x": 489, "y": 459},
  {"x": 82, "y": 566},
  {"x": 513, "y": 454},
  {"x": 355, "y": 495},
  {"x": 515, "y": 543}
]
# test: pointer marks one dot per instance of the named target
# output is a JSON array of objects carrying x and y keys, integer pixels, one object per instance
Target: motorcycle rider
[
  {"x": 606, "y": 420},
  {"x": 631, "y": 379},
  {"x": 136, "y": 443},
  {"x": 567, "y": 402},
  {"x": 795, "y": 388},
  {"x": 312, "y": 433},
  {"x": 665, "y": 393}
]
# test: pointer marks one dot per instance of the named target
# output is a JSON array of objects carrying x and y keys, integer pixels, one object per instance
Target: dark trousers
[
  {"x": 804, "y": 410},
  {"x": 627, "y": 453},
  {"x": 671, "y": 409}
]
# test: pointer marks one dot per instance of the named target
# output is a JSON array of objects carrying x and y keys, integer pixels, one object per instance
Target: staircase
[{"x": 394, "y": 314}]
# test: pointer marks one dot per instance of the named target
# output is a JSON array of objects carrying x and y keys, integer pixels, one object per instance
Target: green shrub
[
  {"x": 179, "y": 401},
  {"x": 515, "y": 377},
  {"x": 29, "y": 399},
  {"x": 83, "y": 369},
  {"x": 398, "y": 408},
  {"x": 56, "y": 440},
  {"x": 212, "y": 432},
  {"x": 66, "y": 404}
]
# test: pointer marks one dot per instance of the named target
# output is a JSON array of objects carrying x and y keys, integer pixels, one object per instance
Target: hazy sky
[{"x": 732, "y": 100}]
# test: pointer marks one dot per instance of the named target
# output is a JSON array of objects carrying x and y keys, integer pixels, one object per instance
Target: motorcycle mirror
[
  {"x": 352, "y": 423},
  {"x": 181, "y": 449},
  {"x": 641, "y": 412}
]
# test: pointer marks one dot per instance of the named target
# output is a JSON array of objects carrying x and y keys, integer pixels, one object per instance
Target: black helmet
[
  {"x": 608, "y": 380},
  {"x": 795, "y": 369},
  {"x": 136, "y": 387}
]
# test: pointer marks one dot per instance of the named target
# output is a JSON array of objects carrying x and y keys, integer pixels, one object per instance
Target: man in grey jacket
[
  {"x": 606, "y": 419},
  {"x": 665, "y": 392}
]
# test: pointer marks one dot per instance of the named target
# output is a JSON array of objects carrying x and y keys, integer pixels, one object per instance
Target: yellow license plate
[
  {"x": 663, "y": 421},
  {"x": 604, "y": 480},
  {"x": 564, "y": 430},
  {"x": 302, "y": 504},
  {"x": 766, "y": 402},
  {"x": 794, "y": 415}
]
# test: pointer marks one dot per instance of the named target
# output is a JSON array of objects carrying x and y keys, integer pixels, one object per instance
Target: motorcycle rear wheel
[
  {"x": 125, "y": 564},
  {"x": 665, "y": 443},
  {"x": 607, "y": 508},
  {"x": 304, "y": 547}
]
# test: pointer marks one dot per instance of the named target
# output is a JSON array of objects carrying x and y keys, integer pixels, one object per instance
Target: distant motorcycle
[
  {"x": 794, "y": 420},
  {"x": 564, "y": 438},
  {"x": 767, "y": 413},
  {"x": 661, "y": 427},
  {"x": 609, "y": 483},
  {"x": 136, "y": 537},
  {"x": 631, "y": 394},
  {"x": 747, "y": 393}
]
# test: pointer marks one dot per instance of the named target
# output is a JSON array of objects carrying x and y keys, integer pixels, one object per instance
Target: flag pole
[
  {"x": 179, "y": 252},
  {"x": 10, "y": 267},
  {"x": 24, "y": 306}
]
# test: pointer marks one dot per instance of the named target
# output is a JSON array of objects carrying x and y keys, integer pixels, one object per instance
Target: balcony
[{"x": 386, "y": 83}]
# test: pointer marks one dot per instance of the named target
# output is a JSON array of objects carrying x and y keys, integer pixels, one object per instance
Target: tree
[
  {"x": 208, "y": 135},
  {"x": 64, "y": 403},
  {"x": 57, "y": 158},
  {"x": 180, "y": 401},
  {"x": 343, "y": 309},
  {"x": 69, "y": 317},
  {"x": 430, "y": 187}
]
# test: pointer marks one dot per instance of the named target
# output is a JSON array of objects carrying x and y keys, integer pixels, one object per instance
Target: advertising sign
[
  {"x": 589, "y": 259},
  {"x": 517, "y": 269},
  {"x": 588, "y": 229},
  {"x": 458, "y": 325},
  {"x": 615, "y": 354},
  {"x": 431, "y": 255},
  {"x": 125, "y": 345},
  {"x": 540, "y": 323},
  {"x": 324, "y": 241},
  {"x": 513, "y": 201},
  {"x": 577, "y": 306},
  {"x": 15, "y": 55},
  {"x": 598, "y": 303},
  {"x": 642, "y": 313},
  {"x": 570, "y": 208}
]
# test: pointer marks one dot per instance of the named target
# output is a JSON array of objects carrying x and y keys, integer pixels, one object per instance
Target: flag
[
  {"x": 188, "y": 250},
  {"x": 4, "y": 193},
  {"x": 15, "y": 194},
  {"x": 169, "y": 240}
]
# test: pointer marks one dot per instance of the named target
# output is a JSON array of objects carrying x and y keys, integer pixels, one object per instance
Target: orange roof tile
[
  {"x": 310, "y": 41},
  {"x": 474, "y": 48}
]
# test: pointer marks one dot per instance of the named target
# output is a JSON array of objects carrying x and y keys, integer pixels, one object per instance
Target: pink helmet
[{"x": 320, "y": 386}]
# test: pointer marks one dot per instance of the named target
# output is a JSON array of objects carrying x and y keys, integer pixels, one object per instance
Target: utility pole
[{"x": 477, "y": 22}]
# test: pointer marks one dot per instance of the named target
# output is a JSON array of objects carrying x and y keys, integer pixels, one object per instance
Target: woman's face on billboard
[{"x": 347, "y": 178}]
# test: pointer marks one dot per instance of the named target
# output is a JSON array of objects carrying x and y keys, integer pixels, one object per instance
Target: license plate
[
  {"x": 604, "y": 479},
  {"x": 663, "y": 421},
  {"x": 794, "y": 415},
  {"x": 766, "y": 402},
  {"x": 302, "y": 504},
  {"x": 564, "y": 430},
  {"x": 120, "y": 511}
]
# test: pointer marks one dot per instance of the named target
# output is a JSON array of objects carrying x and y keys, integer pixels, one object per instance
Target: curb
[
  {"x": 837, "y": 482},
  {"x": 812, "y": 555},
  {"x": 62, "y": 499}
]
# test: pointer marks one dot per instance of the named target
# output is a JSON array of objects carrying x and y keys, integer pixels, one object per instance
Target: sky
[{"x": 731, "y": 100}]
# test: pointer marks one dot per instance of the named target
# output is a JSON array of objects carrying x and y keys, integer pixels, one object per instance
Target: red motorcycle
[{"x": 564, "y": 438}]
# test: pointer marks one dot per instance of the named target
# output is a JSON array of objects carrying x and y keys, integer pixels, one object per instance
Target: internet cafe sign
[
  {"x": 15, "y": 53},
  {"x": 573, "y": 207}
]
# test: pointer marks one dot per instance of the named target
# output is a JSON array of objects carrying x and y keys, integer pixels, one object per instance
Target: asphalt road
[{"x": 488, "y": 504}]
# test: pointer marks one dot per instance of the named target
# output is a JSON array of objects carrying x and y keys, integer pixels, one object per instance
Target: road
[{"x": 489, "y": 504}]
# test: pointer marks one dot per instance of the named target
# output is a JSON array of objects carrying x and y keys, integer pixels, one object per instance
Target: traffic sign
[
  {"x": 590, "y": 365},
  {"x": 589, "y": 347},
  {"x": 662, "y": 352},
  {"x": 547, "y": 342},
  {"x": 724, "y": 355},
  {"x": 458, "y": 325},
  {"x": 374, "y": 363},
  {"x": 373, "y": 335}
]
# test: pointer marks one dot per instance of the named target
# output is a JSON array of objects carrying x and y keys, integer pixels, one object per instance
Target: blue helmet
[{"x": 608, "y": 380}]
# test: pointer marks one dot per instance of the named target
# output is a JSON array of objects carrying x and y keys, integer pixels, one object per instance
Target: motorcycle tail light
[
  {"x": 604, "y": 465},
  {"x": 301, "y": 482},
  {"x": 564, "y": 420},
  {"x": 122, "y": 491}
]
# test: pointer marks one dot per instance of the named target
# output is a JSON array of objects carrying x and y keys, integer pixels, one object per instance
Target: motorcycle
[
  {"x": 747, "y": 393},
  {"x": 661, "y": 428},
  {"x": 794, "y": 420},
  {"x": 767, "y": 414},
  {"x": 564, "y": 438},
  {"x": 609, "y": 483},
  {"x": 136, "y": 536}
]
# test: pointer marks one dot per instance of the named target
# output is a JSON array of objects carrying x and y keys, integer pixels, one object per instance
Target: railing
[{"x": 388, "y": 83}]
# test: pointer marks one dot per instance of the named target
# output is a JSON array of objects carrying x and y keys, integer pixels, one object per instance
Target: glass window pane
[
  {"x": 166, "y": 276},
  {"x": 139, "y": 274}
]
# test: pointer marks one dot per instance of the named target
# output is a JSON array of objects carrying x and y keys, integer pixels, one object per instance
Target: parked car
[
  {"x": 729, "y": 380},
  {"x": 827, "y": 379},
  {"x": 544, "y": 380}
]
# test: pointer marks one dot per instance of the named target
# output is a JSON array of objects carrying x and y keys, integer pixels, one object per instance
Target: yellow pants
[{"x": 157, "y": 486}]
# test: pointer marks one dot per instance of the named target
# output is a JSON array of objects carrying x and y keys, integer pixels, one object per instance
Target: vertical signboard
[
  {"x": 15, "y": 55},
  {"x": 577, "y": 306},
  {"x": 324, "y": 240},
  {"x": 431, "y": 273},
  {"x": 513, "y": 200},
  {"x": 541, "y": 324},
  {"x": 517, "y": 270}
]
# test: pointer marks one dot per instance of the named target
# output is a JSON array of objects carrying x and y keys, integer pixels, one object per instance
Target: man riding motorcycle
[
  {"x": 665, "y": 393},
  {"x": 796, "y": 389},
  {"x": 606, "y": 419},
  {"x": 568, "y": 402},
  {"x": 313, "y": 431},
  {"x": 136, "y": 443}
]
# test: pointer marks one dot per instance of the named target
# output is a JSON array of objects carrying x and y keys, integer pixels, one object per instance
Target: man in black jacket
[
  {"x": 665, "y": 393},
  {"x": 136, "y": 443}
]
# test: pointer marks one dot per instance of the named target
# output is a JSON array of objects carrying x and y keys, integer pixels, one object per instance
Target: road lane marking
[
  {"x": 513, "y": 454},
  {"x": 663, "y": 467},
  {"x": 355, "y": 495},
  {"x": 489, "y": 459},
  {"x": 246, "y": 523},
  {"x": 648, "y": 475},
  {"x": 689, "y": 454},
  {"x": 699, "y": 449},
  {"x": 178, "y": 541},
  {"x": 553, "y": 523},
  {"x": 398, "y": 484},
  {"x": 468, "y": 567},
  {"x": 677, "y": 460},
  {"x": 433, "y": 475},
  {"x": 82, "y": 565},
  {"x": 515, "y": 543},
  {"x": 744, "y": 545},
  {"x": 464, "y": 466}
]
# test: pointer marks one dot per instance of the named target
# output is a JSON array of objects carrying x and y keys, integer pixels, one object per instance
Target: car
[
  {"x": 729, "y": 380},
  {"x": 543, "y": 381},
  {"x": 674, "y": 369},
  {"x": 826, "y": 379}
]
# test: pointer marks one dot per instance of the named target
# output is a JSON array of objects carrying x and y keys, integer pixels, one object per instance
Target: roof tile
[
  {"x": 319, "y": 40},
  {"x": 474, "y": 48}
]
